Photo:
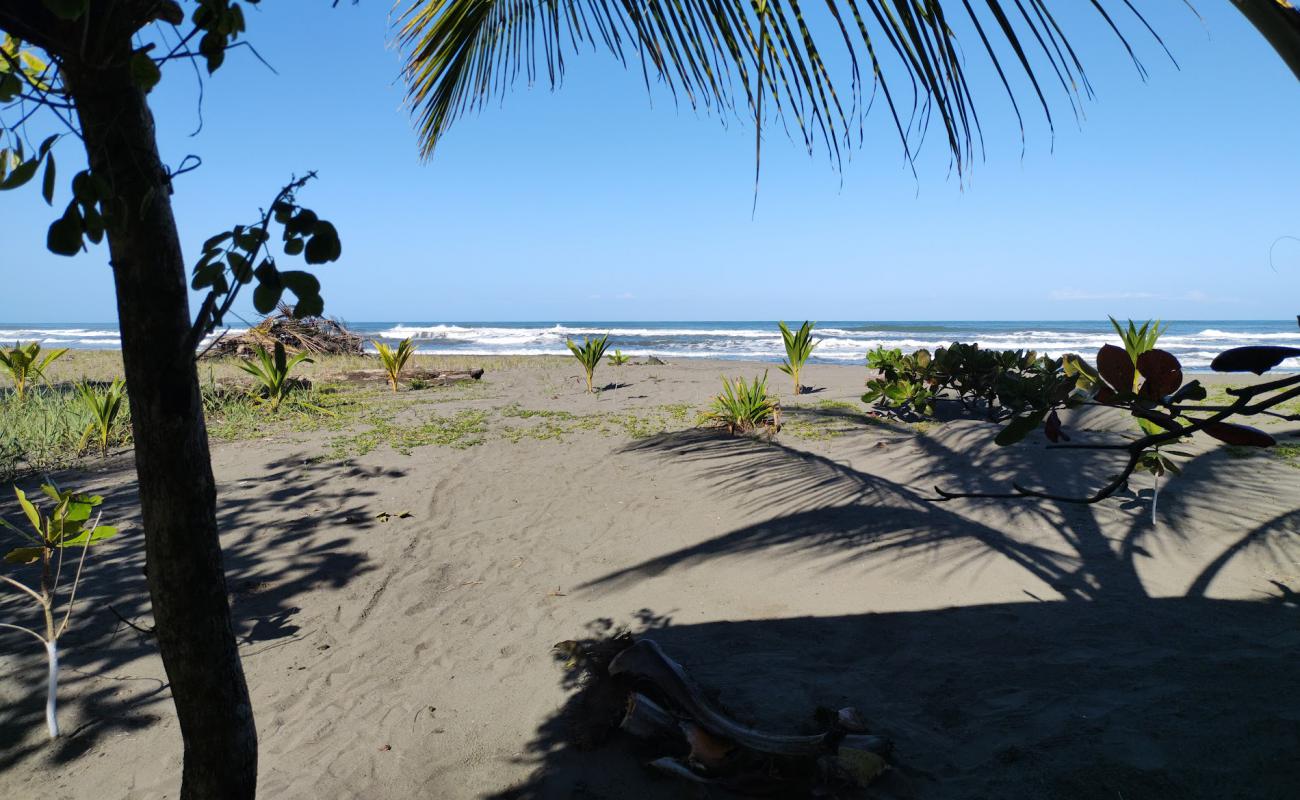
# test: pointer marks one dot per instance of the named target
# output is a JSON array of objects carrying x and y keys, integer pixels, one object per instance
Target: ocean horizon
[{"x": 1194, "y": 342}]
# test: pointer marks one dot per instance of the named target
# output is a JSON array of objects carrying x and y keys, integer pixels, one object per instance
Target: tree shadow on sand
[
  {"x": 1107, "y": 692},
  {"x": 280, "y": 540}
]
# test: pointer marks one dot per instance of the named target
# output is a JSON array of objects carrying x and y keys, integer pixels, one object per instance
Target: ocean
[{"x": 1194, "y": 342}]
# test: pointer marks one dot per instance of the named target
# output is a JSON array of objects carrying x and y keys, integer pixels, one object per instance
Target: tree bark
[{"x": 177, "y": 493}]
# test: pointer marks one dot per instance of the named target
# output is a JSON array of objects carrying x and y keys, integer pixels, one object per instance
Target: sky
[{"x": 1173, "y": 198}]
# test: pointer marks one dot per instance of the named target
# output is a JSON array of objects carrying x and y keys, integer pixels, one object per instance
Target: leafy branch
[
  {"x": 1161, "y": 400},
  {"x": 228, "y": 260}
]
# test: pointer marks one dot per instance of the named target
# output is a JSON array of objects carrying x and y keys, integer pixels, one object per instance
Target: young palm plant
[
  {"x": 104, "y": 408},
  {"x": 617, "y": 358},
  {"x": 272, "y": 373},
  {"x": 589, "y": 354},
  {"x": 1156, "y": 461},
  {"x": 395, "y": 360},
  {"x": 798, "y": 346},
  {"x": 25, "y": 364},
  {"x": 64, "y": 527},
  {"x": 744, "y": 408}
]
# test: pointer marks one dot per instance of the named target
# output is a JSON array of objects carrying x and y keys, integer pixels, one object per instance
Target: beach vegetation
[
  {"x": 394, "y": 359},
  {"x": 1150, "y": 386},
  {"x": 104, "y": 407},
  {"x": 24, "y": 364},
  {"x": 744, "y": 408},
  {"x": 798, "y": 347},
  {"x": 998, "y": 383},
  {"x": 459, "y": 431},
  {"x": 617, "y": 358},
  {"x": 271, "y": 371},
  {"x": 589, "y": 354},
  {"x": 100, "y": 68},
  {"x": 46, "y": 536}
]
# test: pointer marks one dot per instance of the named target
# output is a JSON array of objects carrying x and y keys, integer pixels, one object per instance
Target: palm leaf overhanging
[{"x": 461, "y": 54}]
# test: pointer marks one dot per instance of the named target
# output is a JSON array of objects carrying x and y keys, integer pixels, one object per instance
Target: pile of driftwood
[
  {"x": 316, "y": 335},
  {"x": 642, "y": 693},
  {"x": 427, "y": 377}
]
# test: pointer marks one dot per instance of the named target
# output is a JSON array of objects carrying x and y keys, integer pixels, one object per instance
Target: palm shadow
[
  {"x": 1108, "y": 691},
  {"x": 279, "y": 542}
]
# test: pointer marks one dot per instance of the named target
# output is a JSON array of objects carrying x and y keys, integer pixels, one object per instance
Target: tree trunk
[{"x": 177, "y": 493}]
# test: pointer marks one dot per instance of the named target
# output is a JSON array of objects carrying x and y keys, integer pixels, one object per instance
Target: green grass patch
[{"x": 461, "y": 430}]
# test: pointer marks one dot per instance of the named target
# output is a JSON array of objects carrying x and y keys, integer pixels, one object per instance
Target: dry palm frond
[{"x": 314, "y": 335}]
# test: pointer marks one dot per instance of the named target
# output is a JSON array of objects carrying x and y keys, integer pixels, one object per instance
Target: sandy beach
[{"x": 397, "y": 592}]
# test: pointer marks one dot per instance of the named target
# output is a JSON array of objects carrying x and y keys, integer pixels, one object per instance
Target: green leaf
[
  {"x": 20, "y": 175},
  {"x": 324, "y": 246},
  {"x": 144, "y": 72},
  {"x": 64, "y": 236},
  {"x": 24, "y": 555},
  {"x": 216, "y": 240},
  {"x": 312, "y": 305},
  {"x": 300, "y": 283},
  {"x": 266, "y": 296},
  {"x": 293, "y": 247},
  {"x": 33, "y": 516},
  {"x": 1019, "y": 428},
  {"x": 47, "y": 182}
]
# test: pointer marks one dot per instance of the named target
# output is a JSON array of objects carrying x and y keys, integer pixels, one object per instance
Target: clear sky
[{"x": 593, "y": 202}]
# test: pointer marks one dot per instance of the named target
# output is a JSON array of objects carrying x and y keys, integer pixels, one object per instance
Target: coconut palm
[{"x": 776, "y": 55}]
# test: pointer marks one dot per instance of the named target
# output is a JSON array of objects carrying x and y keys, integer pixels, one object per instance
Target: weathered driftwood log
[
  {"x": 646, "y": 662},
  {"x": 646, "y": 719},
  {"x": 432, "y": 377}
]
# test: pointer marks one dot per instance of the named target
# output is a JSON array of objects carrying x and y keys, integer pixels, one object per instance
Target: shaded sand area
[{"x": 1022, "y": 650}]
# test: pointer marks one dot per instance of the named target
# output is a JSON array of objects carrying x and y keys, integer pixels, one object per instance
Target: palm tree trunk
[{"x": 177, "y": 493}]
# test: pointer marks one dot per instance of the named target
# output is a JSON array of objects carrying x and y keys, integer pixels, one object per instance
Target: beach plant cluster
[
  {"x": 44, "y": 427},
  {"x": 25, "y": 365},
  {"x": 46, "y": 537},
  {"x": 1149, "y": 385},
  {"x": 271, "y": 373},
  {"x": 1000, "y": 383},
  {"x": 744, "y": 408}
]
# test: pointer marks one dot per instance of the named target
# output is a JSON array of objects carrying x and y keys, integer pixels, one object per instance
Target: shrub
[
  {"x": 395, "y": 360},
  {"x": 65, "y": 526},
  {"x": 24, "y": 364},
  {"x": 589, "y": 354},
  {"x": 272, "y": 373},
  {"x": 798, "y": 347},
  {"x": 744, "y": 408},
  {"x": 1003, "y": 382}
]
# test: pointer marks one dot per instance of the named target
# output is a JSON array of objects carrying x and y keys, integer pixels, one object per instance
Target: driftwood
[
  {"x": 431, "y": 377},
  {"x": 666, "y": 707},
  {"x": 646, "y": 662},
  {"x": 316, "y": 335}
]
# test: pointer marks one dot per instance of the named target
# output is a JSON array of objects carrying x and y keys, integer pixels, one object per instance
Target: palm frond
[{"x": 761, "y": 56}]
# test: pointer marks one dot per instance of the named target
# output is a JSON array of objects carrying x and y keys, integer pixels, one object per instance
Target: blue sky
[{"x": 597, "y": 202}]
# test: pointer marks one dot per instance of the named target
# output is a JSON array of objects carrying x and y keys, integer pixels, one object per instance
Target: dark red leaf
[
  {"x": 1052, "y": 428},
  {"x": 1240, "y": 435},
  {"x": 1162, "y": 371},
  {"x": 1257, "y": 359},
  {"x": 1116, "y": 368}
]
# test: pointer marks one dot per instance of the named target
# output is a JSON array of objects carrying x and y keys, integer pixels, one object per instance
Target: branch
[
  {"x": 24, "y": 630},
  {"x": 25, "y": 588},
  {"x": 1240, "y": 406}
]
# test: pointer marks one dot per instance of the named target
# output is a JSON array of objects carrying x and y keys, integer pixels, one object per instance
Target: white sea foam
[{"x": 1195, "y": 345}]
